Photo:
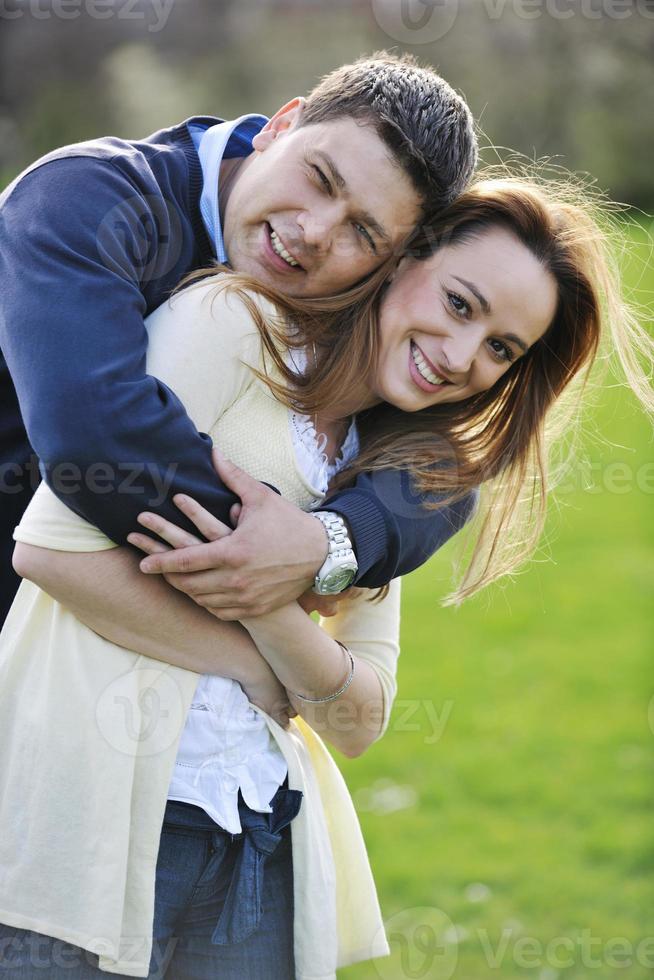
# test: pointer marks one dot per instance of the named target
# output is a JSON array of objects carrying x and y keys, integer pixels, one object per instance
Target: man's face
[{"x": 315, "y": 209}]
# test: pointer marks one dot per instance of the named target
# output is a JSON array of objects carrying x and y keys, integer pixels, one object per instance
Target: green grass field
[{"x": 508, "y": 811}]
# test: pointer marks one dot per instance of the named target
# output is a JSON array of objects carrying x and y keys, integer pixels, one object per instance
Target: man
[{"x": 95, "y": 236}]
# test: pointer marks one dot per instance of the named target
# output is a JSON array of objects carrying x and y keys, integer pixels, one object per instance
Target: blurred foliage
[{"x": 562, "y": 78}]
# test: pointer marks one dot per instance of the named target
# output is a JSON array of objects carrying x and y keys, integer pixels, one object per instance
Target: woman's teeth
[
  {"x": 424, "y": 370},
  {"x": 281, "y": 251}
]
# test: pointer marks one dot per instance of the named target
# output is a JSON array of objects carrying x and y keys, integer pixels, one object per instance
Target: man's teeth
[
  {"x": 423, "y": 369},
  {"x": 279, "y": 248}
]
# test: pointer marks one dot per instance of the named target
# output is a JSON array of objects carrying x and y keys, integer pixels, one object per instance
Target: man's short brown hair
[{"x": 427, "y": 127}]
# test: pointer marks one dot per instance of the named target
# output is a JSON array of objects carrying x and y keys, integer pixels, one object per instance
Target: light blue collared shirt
[{"x": 214, "y": 144}]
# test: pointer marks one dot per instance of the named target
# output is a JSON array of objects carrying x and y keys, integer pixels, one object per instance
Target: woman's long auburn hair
[{"x": 499, "y": 440}]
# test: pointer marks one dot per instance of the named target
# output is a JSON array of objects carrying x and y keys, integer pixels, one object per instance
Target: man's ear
[{"x": 283, "y": 121}]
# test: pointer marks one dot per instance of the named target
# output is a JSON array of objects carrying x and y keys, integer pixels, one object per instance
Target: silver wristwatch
[{"x": 340, "y": 566}]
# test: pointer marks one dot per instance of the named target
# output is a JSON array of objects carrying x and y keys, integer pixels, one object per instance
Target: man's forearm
[{"x": 391, "y": 530}]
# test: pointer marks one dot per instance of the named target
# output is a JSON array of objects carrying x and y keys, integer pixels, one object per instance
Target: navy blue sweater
[{"x": 93, "y": 237}]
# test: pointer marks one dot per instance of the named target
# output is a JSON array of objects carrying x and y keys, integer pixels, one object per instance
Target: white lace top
[{"x": 225, "y": 745}]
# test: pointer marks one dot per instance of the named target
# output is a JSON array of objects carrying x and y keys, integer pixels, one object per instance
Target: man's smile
[
  {"x": 279, "y": 255},
  {"x": 281, "y": 249}
]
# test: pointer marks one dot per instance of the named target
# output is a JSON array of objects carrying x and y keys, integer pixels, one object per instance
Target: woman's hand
[
  {"x": 326, "y": 605},
  {"x": 176, "y": 537},
  {"x": 270, "y": 695},
  {"x": 269, "y": 558},
  {"x": 213, "y": 529}
]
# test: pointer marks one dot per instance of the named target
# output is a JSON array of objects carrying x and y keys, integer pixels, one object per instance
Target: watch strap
[{"x": 340, "y": 550}]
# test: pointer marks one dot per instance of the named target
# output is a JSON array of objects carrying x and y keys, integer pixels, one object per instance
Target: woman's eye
[
  {"x": 322, "y": 178},
  {"x": 365, "y": 234},
  {"x": 460, "y": 305},
  {"x": 502, "y": 352}
]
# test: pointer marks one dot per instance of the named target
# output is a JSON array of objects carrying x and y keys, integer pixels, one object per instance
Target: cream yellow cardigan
[{"x": 89, "y": 730}]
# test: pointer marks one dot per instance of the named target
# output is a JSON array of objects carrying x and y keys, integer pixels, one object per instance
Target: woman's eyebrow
[
  {"x": 483, "y": 302},
  {"x": 516, "y": 340},
  {"x": 485, "y": 305}
]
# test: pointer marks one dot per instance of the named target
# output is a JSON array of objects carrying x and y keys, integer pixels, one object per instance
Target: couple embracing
[{"x": 332, "y": 345}]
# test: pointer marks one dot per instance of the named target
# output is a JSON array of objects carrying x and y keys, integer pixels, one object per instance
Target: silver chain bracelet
[{"x": 336, "y": 694}]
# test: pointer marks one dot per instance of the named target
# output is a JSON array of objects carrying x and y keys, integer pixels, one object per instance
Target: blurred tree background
[
  {"x": 564, "y": 78},
  {"x": 508, "y": 809}
]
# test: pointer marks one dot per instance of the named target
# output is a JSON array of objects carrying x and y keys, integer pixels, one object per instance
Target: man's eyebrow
[
  {"x": 341, "y": 184},
  {"x": 485, "y": 305},
  {"x": 335, "y": 173}
]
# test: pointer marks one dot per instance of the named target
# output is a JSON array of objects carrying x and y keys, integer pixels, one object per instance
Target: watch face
[{"x": 338, "y": 579}]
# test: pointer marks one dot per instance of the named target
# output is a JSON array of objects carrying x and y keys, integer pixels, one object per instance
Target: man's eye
[
  {"x": 323, "y": 179},
  {"x": 460, "y": 305},
  {"x": 367, "y": 236}
]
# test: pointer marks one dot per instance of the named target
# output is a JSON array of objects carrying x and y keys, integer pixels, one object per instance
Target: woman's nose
[{"x": 459, "y": 353}]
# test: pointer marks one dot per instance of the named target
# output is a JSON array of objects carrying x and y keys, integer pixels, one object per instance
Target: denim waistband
[{"x": 259, "y": 837}]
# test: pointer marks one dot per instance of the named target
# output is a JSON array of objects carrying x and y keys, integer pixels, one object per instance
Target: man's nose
[{"x": 320, "y": 227}]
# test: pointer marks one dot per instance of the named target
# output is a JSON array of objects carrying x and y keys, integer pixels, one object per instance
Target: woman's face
[{"x": 451, "y": 325}]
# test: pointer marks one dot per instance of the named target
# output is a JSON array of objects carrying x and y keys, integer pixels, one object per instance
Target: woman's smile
[{"x": 421, "y": 373}]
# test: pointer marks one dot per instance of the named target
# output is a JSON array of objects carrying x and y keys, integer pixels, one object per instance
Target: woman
[{"x": 451, "y": 370}]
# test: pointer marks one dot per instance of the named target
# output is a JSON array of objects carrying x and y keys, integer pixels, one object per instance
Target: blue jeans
[{"x": 217, "y": 915}]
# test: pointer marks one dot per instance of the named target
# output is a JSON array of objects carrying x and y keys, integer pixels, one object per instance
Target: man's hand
[{"x": 267, "y": 561}]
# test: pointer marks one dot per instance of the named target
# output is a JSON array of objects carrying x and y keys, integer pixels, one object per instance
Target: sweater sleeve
[
  {"x": 202, "y": 342},
  {"x": 47, "y": 523},
  {"x": 393, "y": 532},
  {"x": 73, "y": 335},
  {"x": 372, "y": 632}
]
